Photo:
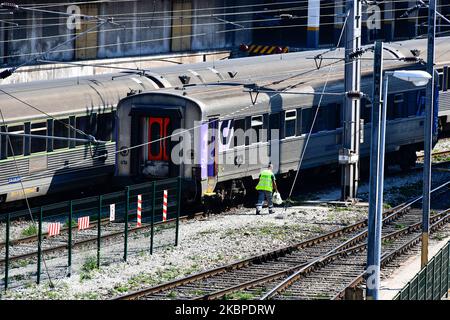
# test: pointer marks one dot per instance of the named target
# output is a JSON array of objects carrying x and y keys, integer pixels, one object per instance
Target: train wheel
[{"x": 407, "y": 158}]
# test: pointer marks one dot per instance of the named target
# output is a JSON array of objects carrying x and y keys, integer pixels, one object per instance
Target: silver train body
[
  {"x": 43, "y": 166},
  {"x": 37, "y": 167},
  {"x": 150, "y": 124}
]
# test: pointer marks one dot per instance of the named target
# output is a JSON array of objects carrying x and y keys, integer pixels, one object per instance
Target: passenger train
[
  {"x": 159, "y": 101},
  {"x": 151, "y": 126}
]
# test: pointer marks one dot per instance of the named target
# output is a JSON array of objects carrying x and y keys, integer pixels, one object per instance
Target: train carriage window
[
  {"x": 155, "y": 134},
  {"x": 306, "y": 120},
  {"x": 226, "y": 130},
  {"x": 257, "y": 126},
  {"x": 105, "y": 127},
  {"x": 16, "y": 141},
  {"x": 366, "y": 110},
  {"x": 85, "y": 124},
  {"x": 61, "y": 129},
  {"x": 239, "y": 132},
  {"x": 290, "y": 122},
  {"x": 398, "y": 106},
  {"x": 38, "y": 144}
]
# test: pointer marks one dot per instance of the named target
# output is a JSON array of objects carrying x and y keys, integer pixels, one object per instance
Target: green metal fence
[
  {"x": 432, "y": 282},
  {"x": 98, "y": 209}
]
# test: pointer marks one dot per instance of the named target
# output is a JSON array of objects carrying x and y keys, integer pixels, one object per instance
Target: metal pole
[
  {"x": 351, "y": 125},
  {"x": 38, "y": 276},
  {"x": 177, "y": 228},
  {"x": 8, "y": 222},
  {"x": 373, "y": 258},
  {"x": 99, "y": 229},
  {"x": 152, "y": 229},
  {"x": 69, "y": 241},
  {"x": 428, "y": 127},
  {"x": 127, "y": 209}
]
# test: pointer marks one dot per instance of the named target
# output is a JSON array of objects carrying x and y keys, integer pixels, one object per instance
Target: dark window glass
[
  {"x": 398, "y": 106},
  {"x": 84, "y": 124},
  {"x": 155, "y": 132},
  {"x": 39, "y": 144},
  {"x": 257, "y": 126},
  {"x": 61, "y": 129},
  {"x": 239, "y": 132},
  {"x": 226, "y": 127},
  {"x": 306, "y": 120},
  {"x": 290, "y": 123},
  {"x": 16, "y": 142},
  {"x": 105, "y": 127}
]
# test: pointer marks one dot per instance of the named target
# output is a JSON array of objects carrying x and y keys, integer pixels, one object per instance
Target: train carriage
[{"x": 218, "y": 161}]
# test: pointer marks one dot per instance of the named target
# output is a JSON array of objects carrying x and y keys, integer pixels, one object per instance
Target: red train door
[{"x": 157, "y": 131}]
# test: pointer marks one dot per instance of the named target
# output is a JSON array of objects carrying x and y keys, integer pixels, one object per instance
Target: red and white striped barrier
[
  {"x": 83, "y": 223},
  {"x": 139, "y": 211},
  {"x": 54, "y": 229},
  {"x": 165, "y": 205}
]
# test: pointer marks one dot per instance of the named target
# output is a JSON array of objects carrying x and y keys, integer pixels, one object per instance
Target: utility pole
[
  {"x": 349, "y": 154},
  {"x": 376, "y": 177},
  {"x": 428, "y": 142}
]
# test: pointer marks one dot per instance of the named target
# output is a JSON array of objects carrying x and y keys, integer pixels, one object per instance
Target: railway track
[
  {"x": 265, "y": 275},
  {"x": 438, "y": 154},
  {"x": 26, "y": 248}
]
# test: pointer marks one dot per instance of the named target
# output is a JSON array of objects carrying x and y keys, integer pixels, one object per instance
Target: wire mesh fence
[
  {"x": 98, "y": 230},
  {"x": 432, "y": 282}
]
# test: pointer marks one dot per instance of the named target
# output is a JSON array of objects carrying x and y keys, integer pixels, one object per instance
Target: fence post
[
  {"x": 69, "y": 241},
  {"x": 8, "y": 221},
  {"x": 152, "y": 226},
  {"x": 177, "y": 228},
  {"x": 127, "y": 209},
  {"x": 38, "y": 277},
  {"x": 99, "y": 229}
]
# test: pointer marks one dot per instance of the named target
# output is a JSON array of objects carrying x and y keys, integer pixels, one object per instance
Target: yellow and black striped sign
[{"x": 255, "y": 49}]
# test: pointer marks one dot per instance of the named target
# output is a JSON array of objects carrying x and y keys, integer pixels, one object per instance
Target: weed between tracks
[
  {"x": 89, "y": 266},
  {"x": 29, "y": 231}
]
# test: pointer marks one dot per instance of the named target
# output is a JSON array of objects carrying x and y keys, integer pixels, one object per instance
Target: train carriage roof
[{"x": 230, "y": 97}]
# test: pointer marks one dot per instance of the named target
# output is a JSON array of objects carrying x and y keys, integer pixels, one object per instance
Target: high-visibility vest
[{"x": 265, "y": 181}]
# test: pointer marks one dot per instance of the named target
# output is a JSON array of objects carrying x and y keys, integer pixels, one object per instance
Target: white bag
[{"x": 276, "y": 198}]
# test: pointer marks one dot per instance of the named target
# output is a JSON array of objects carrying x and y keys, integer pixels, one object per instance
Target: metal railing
[
  {"x": 99, "y": 210},
  {"x": 432, "y": 282}
]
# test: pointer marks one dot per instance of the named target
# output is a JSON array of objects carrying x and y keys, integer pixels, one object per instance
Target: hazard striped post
[
  {"x": 139, "y": 211},
  {"x": 164, "y": 217},
  {"x": 83, "y": 223}
]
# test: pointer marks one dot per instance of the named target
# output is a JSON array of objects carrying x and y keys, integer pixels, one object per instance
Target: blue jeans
[{"x": 261, "y": 196}]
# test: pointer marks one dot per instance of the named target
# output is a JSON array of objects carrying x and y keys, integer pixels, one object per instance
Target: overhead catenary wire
[{"x": 314, "y": 119}]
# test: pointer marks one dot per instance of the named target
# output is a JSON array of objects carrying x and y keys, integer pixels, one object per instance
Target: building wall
[
  {"x": 40, "y": 32},
  {"x": 141, "y": 35}
]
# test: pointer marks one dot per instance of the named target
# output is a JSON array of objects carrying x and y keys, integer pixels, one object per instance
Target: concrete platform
[{"x": 406, "y": 272}]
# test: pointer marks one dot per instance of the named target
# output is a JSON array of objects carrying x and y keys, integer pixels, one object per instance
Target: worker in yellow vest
[{"x": 265, "y": 187}]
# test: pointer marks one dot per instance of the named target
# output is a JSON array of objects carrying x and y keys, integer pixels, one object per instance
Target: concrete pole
[
  {"x": 376, "y": 176},
  {"x": 349, "y": 155},
  {"x": 428, "y": 143},
  {"x": 312, "y": 39}
]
